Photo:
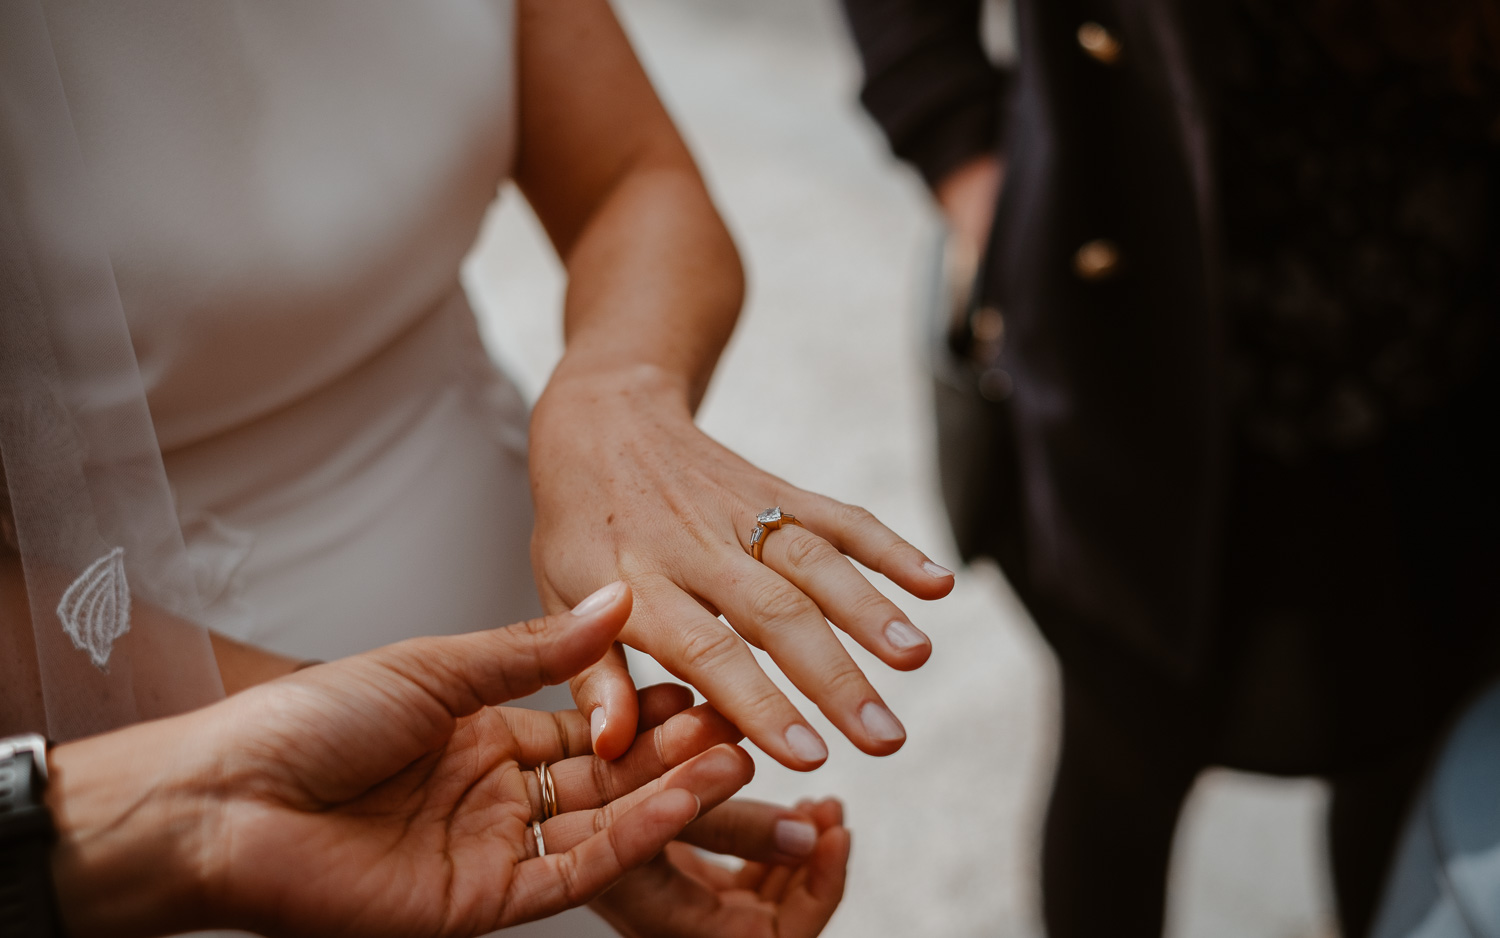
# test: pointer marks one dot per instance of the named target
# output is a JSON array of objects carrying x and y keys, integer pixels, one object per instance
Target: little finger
[
  {"x": 854, "y": 531},
  {"x": 846, "y": 598}
]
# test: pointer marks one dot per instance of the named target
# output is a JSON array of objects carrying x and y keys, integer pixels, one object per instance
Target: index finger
[{"x": 547, "y": 736}]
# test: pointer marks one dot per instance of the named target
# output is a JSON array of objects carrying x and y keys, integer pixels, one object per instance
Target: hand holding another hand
[{"x": 383, "y": 794}]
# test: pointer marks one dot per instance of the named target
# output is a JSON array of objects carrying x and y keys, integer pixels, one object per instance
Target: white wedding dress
[{"x": 287, "y": 191}]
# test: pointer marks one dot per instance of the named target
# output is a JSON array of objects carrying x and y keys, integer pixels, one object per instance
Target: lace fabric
[{"x": 98, "y": 606}]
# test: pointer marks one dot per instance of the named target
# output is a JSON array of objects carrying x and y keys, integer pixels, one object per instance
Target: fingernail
[
  {"x": 935, "y": 571},
  {"x": 795, "y": 838},
  {"x": 596, "y": 725},
  {"x": 880, "y": 723},
  {"x": 598, "y": 599},
  {"x": 903, "y": 635},
  {"x": 805, "y": 744}
]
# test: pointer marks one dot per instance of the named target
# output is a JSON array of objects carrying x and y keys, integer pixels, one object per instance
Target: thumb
[
  {"x": 480, "y": 669},
  {"x": 605, "y": 692}
]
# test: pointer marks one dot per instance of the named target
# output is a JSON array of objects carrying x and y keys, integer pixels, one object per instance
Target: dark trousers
[
  {"x": 1114, "y": 807},
  {"x": 1359, "y": 610}
]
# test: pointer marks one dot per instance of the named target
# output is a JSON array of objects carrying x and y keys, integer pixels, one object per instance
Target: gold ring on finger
[
  {"x": 766, "y": 522},
  {"x": 549, "y": 791}
]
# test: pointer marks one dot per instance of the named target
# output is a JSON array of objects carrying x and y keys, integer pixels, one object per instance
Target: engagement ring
[{"x": 766, "y": 522}]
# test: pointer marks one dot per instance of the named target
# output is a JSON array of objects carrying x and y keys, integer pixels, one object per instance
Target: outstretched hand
[
  {"x": 627, "y": 487},
  {"x": 383, "y": 794}
]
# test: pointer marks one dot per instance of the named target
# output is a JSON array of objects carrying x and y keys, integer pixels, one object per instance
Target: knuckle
[
  {"x": 846, "y": 680},
  {"x": 603, "y": 781},
  {"x": 659, "y": 744},
  {"x": 765, "y": 700},
  {"x": 532, "y": 630},
  {"x": 778, "y": 603},
  {"x": 582, "y": 686},
  {"x": 870, "y": 606},
  {"x": 560, "y": 732},
  {"x": 709, "y": 646},
  {"x": 895, "y": 553},
  {"x": 853, "y": 516},
  {"x": 567, "y": 871},
  {"x": 604, "y": 818},
  {"x": 807, "y": 553}
]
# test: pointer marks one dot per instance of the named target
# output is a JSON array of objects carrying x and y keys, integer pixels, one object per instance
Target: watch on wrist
[{"x": 28, "y": 906}]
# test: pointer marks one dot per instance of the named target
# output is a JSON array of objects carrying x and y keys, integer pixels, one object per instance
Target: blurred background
[{"x": 824, "y": 385}]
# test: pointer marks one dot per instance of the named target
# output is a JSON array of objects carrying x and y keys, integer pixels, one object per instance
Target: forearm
[
  {"x": 129, "y": 854},
  {"x": 654, "y": 283}
]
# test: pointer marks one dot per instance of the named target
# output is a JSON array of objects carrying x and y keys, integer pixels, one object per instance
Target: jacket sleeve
[{"x": 927, "y": 80}]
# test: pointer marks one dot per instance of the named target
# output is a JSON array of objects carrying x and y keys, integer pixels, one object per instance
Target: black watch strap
[{"x": 27, "y": 904}]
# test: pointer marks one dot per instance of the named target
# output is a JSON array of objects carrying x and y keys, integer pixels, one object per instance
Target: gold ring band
[
  {"x": 767, "y": 521},
  {"x": 549, "y": 792},
  {"x": 536, "y": 833}
]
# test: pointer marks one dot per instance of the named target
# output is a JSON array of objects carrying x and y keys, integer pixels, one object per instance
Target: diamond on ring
[{"x": 767, "y": 521}]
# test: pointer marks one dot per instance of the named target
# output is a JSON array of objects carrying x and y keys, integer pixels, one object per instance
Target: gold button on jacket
[
  {"x": 1099, "y": 43},
  {"x": 1097, "y": 260}
]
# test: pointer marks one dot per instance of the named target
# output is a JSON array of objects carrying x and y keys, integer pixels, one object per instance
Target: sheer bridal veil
[{"x": 98, "y": 607}]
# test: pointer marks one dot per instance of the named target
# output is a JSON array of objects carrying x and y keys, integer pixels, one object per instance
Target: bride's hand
[
  {"x": 627, "y": 487},
  {"x": 624, "y": 484},
  {"x": 382, "y": 794}
]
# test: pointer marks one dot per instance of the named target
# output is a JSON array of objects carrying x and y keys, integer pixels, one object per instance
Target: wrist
[
  {"x": 130, "y": 813},
  {"x": 602, "y": 386},
  {"x": 967, "y": 197}
]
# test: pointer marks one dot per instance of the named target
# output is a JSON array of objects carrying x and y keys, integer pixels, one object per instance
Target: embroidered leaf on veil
[{"x": 95, "y": 610}]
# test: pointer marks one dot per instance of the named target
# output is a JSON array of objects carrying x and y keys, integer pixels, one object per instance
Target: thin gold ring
[
  {"x": 767, "y": 521},
  {"x": 549, "y": 792},
  {"x": 536, "y": 832}
]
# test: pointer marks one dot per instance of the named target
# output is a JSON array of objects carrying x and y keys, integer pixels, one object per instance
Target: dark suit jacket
[{"x": 1116, "y": 424}]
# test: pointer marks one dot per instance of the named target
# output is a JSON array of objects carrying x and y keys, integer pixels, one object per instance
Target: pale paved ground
[{"x": 823, "y": 385}]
